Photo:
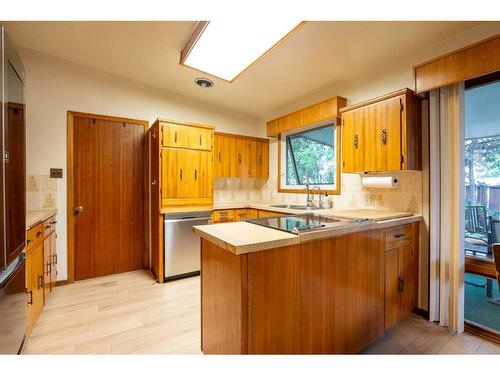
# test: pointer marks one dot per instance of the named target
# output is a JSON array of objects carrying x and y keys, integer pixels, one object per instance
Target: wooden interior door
[{"x": 108, "y": 183}]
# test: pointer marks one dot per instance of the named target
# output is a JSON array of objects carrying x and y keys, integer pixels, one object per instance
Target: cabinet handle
[
  {"x": 200, "y": 139},
  {"x": 38, "y": 234},
  {"x": 54, "y": 259},
  {"x": 40, "y": 281},
  {"x": 28, "y": 241},
  {"x": 181, "y": 174},
  {"x": 399, "y": 235},
  {"x": 175, "y": 137},
  {"x": 48, "y": 226},
  {"x": 356, "y": 141},
  {"x": 220, "y": 159},
  {"x": 30, "y": 294},
  {"x": 384, "y": 136},
  {"x": 195, "y": 174},
  {"x": 54, "y": 222},
  {"x": 239, "y": 158},
  {"x": 401, "y": 285},
  {"x": 49, "y": 268}
]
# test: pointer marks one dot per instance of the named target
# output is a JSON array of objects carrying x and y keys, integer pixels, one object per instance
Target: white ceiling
[{"x": 318, "y": 56}]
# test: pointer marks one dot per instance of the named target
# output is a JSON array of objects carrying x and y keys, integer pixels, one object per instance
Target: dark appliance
[{"x": 13, "y": 300}]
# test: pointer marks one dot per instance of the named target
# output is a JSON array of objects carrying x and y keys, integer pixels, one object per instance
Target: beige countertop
[
  {"x": 35, "y": 217},
  {"x": 244, "y": 237}
]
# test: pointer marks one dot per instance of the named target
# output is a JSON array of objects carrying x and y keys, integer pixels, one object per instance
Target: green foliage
[{"x": 314, "y": 161}]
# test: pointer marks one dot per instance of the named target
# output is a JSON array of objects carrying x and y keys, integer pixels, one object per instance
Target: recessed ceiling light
[
  {"x": 204, "y": 82},
  {"x": 225, "y": 49}
]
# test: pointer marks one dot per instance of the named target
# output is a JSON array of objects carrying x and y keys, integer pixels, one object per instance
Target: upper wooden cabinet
[
  {"x": 186, "y": 173},
  {"x": 315, "y": 113},
  {"x": 184, "y": 135},
  {"x": 241, "y": 156},
  {"x": 383, "y": 134}
]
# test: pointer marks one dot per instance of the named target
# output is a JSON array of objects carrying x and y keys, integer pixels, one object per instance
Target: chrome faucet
[{"x": 310, "y": 201}]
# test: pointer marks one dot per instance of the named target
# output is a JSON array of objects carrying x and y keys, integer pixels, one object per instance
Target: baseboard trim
[{"x": 62, "y": 282}]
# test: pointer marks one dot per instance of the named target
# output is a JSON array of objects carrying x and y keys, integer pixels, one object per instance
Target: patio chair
[{"x": 476, "y": 224}]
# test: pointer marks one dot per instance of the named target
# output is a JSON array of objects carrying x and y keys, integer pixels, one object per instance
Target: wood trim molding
[
  {"x": 482, "y": 331},
  {"x": 198, "y": 31},
  {"x": 70, "y": 180},
  {"x": 177, "y": 122},
  {"x": 243, "y": 136},
  {"x": 465, "y": 63},
  {"x": 338, "y": 170},
  {"x": 405, "y": 91},
  {"x": 314, "y": 114}
]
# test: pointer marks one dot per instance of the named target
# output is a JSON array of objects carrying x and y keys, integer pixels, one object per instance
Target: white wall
[{"x": 55, "y": 86}]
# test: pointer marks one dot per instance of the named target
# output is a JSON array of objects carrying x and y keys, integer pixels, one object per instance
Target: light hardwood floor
[{"x": 130, "y": 313}]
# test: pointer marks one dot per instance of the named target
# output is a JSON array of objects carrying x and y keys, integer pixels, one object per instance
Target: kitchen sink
[{"x": 294, "y": 207}]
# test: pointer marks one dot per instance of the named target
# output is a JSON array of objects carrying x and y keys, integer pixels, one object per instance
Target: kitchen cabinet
[
  {"x": 240, "y": 214},
  {"x": 265, "y": 213},
  {"x": 383, "y": 134},
  {"x": 241, "y": 156},
  {"x": 189, "y": 136},
  {"x": 41, "y": 267},
  {"x": 401, "y": 273},
  {"x": 187, "y": 165}
]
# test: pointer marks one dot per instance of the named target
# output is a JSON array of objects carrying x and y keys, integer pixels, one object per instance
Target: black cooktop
[{"x": 293, "y": 224}]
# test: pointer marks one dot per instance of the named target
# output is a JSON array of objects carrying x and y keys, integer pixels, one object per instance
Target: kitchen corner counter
[
  {"x": 35, "y": 217},
  {"x": 243, "y": 237}
]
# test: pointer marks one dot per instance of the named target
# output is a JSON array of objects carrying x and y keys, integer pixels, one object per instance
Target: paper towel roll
[{"x": 380, "y": 182}]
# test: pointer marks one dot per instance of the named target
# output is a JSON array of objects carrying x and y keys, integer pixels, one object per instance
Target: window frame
[{"x": 282, "y": 150}]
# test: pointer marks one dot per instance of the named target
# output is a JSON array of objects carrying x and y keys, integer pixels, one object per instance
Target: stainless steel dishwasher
[{"x": 182, "y": 246}]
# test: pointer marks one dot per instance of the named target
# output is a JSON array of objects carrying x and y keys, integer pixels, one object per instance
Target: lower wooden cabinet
[
  {"x": 227, "y": 216},
  {"x": 264, "y": 213},
  {"x": 401, "y": 273},
  {"x": 34, "y": 283},
  {"x": 41, "y": 267}
]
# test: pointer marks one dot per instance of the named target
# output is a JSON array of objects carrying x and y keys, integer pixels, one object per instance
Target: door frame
[{"x": 71, "y": 178}]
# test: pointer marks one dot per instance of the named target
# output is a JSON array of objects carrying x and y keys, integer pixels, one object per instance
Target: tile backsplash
[
  {"x": 406, "y": 197},
  {"x": 41, "y": 192}
]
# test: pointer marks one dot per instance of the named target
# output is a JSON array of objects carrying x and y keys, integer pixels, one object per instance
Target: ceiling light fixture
[
  {"x": 204, "y": 82},
  {"x": 225, "y": 49}
]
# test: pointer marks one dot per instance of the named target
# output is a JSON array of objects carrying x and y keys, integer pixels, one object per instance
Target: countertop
[
  {"x": 244, "y": 237},
  {"x": 35, "y": 217}
]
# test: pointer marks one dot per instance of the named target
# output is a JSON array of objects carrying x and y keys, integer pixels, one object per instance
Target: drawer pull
[
  {"x": 401, "y": 285},
  {"x": 40, "y": 281},
  {"x": 30, "y": 294},
  {"x": 48, "y": 226},
  {"x": 384, "y": 136},
  {"x": 54, "y": 222},
  {"x": 38, "y": 234},
  {"x": 175, "y": 137},
  {"x": 54, "y": 261},
  {"x": 200, "y": 140},
  {"x": 356, "y": 141},
  {"x": 399, "y": 235},
  {"x": 28, "y": 241}
]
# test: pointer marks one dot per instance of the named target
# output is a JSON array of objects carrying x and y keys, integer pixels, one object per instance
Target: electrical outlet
[{"x": 56, "y": 172}]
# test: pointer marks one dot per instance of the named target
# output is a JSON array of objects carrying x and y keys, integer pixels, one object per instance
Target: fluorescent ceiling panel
[{"x": 226, "y": 48}]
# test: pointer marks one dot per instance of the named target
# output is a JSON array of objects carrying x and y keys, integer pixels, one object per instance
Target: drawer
[
  {"x": 397, "y": 236},
  {"x": 49, "y": 226},
  {"x": 223, "y": 216},
  {"x": 240, "y": 215},
  {"x": 34, "y": 236}
]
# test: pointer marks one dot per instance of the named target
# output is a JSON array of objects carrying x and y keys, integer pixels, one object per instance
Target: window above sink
[{"x": 311, "y": 157}]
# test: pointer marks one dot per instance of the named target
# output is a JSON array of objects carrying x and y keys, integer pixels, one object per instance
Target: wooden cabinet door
[
  {"x": 191, "y": 177},
  {"x": 252, "y": 158},
  {"x": 205, "y": 174},
  {"x": 175, "y": 135},
  {"x": 409, "y": 274},
  {"x": 30, "y": 287},
  {"x": 392, "y": 294},
  {"x": 264, "y": 213},
  {"x": 241, "y": 157},
  {"x": 174, "y": 173},
  {"x": 240, "y": 214},
  {"x": 383, "y": 130},
  {"x": 262, "y": 159},
  {"x": 251, "y": 213},
  {"x": 352, "y": 140},
  {"x": 47, "y": 269},
  {"x": 53, "y": 259},
  {"x": 38, "y": 282},
  {"x": 219, "y": 155},
  {"x": 200, "y": 138}
]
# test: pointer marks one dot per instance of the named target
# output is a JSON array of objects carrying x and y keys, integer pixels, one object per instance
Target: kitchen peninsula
[{"x": 335, "y": 289}]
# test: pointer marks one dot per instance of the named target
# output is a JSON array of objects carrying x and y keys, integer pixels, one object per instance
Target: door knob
[{"x": 78, "y": 209}]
